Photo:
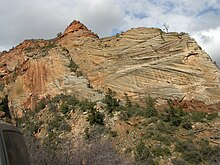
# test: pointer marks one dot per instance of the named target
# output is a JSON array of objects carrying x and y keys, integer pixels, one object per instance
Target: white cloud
[
  {"x": 24, "y": 19},
  {"x": 209, "y": 40},
  {"x": 101, "y": 16}
]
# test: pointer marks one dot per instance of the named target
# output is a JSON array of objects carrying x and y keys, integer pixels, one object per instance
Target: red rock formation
[
  {"x": 140, "y": 62},
  {"x": 79, "y": 29}
]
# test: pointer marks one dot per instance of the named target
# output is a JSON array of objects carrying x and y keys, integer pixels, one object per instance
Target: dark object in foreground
[{"x": 12, "y": 147}]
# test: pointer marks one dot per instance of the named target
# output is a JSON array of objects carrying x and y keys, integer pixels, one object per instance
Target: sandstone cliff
[
  {"x": 146, "y": 61},
  {"x": 139, "y": 62}
]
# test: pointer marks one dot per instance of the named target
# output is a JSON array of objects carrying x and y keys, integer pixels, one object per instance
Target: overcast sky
[{"x": 26, "y": 19}]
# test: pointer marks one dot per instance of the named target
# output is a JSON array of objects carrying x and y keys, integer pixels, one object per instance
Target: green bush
[
  {"x": 31, "y": 126},
  {"x": 73, "y": 66},
  {"x": 41, "y": 105},
  {"x": 127, "y": 101},
  {"x": 59, "y": 124},
  {"x": 142, "y": 152},
  {"x": 96, "y": 117},
  {"x": 150, "y": 112},
  {"x": 64, "y": 108},
  {"x": 86, "y": 105},
  {"x": 176, "y": 121},
  {"x": 86, "y": 133},
  {"x": 165, "y": 139},
  {"x": 210, "y": 154},
  {"x": 198, "y": 116},
  {"x": 96, "y": 131},
  {"x": 201, "y": 151},
  {"x": 166, "y": 128},
  {"x": 187, "y": 125},
  {"x": 193, "y": 156},
  {"x": 174, "y": 115},
  {"x": 79, "y": 73},
  {"x": 189, "y": 151},
  {"x": 111, "y": 101},
  {"x": 179, "y": 162},
  {"x": 128, "y": 112},
  {"x": 113, "y": 133},
  {"x": 45, "y": 49},
  {"x": 182, "y": 146},
  {"x": 212, "y": 116},
  {"x": 161, "y": 151},
  {"x": 150, "y": 107},
  {"x": 59, "y": 34}
]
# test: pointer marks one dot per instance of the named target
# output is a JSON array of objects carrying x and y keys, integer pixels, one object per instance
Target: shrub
[
  {"x": 187, "y": 125},
  {"x": 128, "y": 112},
  {"x": 165, "y": 139},
  {"x": 111, "y": 101},
  {"x": 189, "y": 151},
  {"x": 161, "y": 151},
  {"x": 150, "y": 108},
  {"x": 113, "y": 133},
  {"x": 193, "y": 157},
  {"x": 182, "y": 146},
  {"x": 41, "y": 105},
  {"x": 173, "y": 115},
  {"x": 176, "y": 121},
  {"x": 198, "y": 152},
  {"x": 79, "y": 73},
  {"x": 59, "y": 124},
  {"x": 100, "y": 152},
  {"x": 96, "y": 117},
  {"x": 64, "y": 108},
  {"x": 72, "y": 101},
  {"x": 56, "y": 126},
  {"x": 73, "y": 66},
  {"x": 86, "y": 105},
  {"x": 4, "y": 106},
  {"x": 45, "y": 49},
  {"x": 179, "y": 162},
  {"x": 2, "y": 86},
  {"x": 209, "y": 153},
  {"x": 93, "y": 152},
  {"x": 31, "y": 126},
  {"x": 212, "y": 116},
  {"x": 198, "y": 116},
  {"x": 166, "y": 128},
  {"x": 86, "y": 133},
  {"x": 59, "y": 34},
  {"x": 127, "y": 101},
  {"x": 142, "y": 152},
  {"x": 96, "y": 131},
  {"x": 150, "y": 112}
]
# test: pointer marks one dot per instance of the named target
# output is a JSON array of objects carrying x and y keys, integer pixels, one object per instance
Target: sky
[{"x": 27, "y": 19}]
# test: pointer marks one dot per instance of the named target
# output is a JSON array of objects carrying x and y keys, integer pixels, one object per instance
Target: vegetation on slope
[{"x": 116, "y": 132}]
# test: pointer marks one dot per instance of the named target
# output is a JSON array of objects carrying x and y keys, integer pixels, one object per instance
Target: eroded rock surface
[
  {"x": 139, "y": 62},
  {"x": 147, "y": 61}
]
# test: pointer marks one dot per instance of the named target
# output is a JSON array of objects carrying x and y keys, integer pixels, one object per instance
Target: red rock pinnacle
[{"x": 79, "y": 28}]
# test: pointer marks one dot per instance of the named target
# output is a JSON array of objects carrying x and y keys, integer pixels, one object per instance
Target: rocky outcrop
[
  {"x": 39, "y": 70},
  {"x": 148, "y": 61},
  {"x": 139, "y": 62},
  {"x": 79, "y": 30}
]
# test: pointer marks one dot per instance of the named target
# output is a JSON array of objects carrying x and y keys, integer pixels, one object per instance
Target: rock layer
[
  {"x": 148, "y": 61},
  {"x": 139, "y": 62}
]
